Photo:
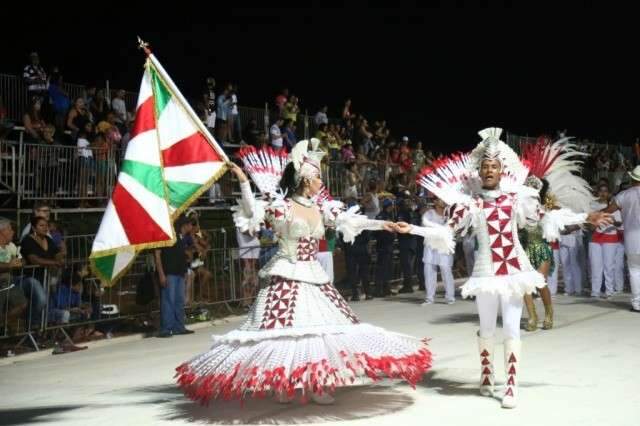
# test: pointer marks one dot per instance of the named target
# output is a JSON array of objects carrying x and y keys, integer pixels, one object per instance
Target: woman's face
[
  {"x": 37, "y": 105},
  {"x": 315, "y": 185},
  {"x": 42, "y": 228}
]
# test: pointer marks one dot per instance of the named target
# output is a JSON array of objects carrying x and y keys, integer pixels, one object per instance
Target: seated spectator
[
  {"x": 11, "y": 262},
  {"x": 276, "y": 134},
  {"x": 251, "y": 133},
  {"x": 289, "y": 135},
  {"x": 12, "y": 299},
  {"x": 33, "y": 122},
  {"x": 39, "y": 250},
  {"x": 321, "y": 116},
  {"x": 102, "y": 147},
  {"x": 78, "y": 116},
  {"x": 56, "y": 235},
  {"x": 48, "y": 164},
  {"x": 40, "y": 209},
  {"x": 66, "y": 302}
]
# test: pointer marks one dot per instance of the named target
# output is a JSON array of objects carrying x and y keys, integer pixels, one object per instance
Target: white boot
[
  {"x": 324, "y": 399},
  {"x": 485, "y": 348},
  {"x": 512, "y": 367}
]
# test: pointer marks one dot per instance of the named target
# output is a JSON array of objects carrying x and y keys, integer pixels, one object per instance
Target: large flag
[{"x": 170, "y": 161}]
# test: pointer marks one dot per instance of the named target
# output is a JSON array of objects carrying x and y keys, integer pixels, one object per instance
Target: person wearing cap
[
  {"x": 628, "y": 202},
  {"x": 171, "y": 265}
]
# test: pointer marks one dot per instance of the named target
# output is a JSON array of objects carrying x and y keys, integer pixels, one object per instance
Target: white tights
[{"x": 488, "y": 312}]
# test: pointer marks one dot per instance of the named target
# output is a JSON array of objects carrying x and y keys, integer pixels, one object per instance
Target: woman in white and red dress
[{"x": 300, "y": 335}]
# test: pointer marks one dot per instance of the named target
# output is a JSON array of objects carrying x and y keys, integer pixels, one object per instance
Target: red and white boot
[
  {"x": 487, "y": 377},
  {"x": 512, "y": 368}
]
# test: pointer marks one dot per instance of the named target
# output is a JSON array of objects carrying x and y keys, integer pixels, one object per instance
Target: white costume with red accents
[
  {"x": 502, "y": 273},
  {"x": 300, "y": 332}
]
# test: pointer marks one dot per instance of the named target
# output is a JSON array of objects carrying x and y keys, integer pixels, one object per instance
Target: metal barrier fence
[{"x": 42, "y": 304}]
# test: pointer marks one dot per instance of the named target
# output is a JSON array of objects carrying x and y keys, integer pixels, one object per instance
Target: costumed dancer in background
[
  {"x": 488, "y": 191},
  {"x": 553, "y": 172},
  {"x": 603, "y": 249},
  {"x": 433, "y": 260},
  {"x": 300, "y": 334}
]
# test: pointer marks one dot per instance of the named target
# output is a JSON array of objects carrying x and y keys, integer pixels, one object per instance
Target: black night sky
[{"x": 436, "y": 73}]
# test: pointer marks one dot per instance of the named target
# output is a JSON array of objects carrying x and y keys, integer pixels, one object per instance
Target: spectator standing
[
  {"x": 384, "y": 249},
  {"x": 233, "y": 119},
  {"x": 223, "y": 106},
  {"x": 346, "y": 111},
  {"x": 171, "y": 265},
  {"x": 99, "y": 107},
  {"x": 60, "y": 101},
  {"x": 291, "y": 109},
  {"x": 281, "y": 101},
  {"x": 406, "y": 245},
  {"x": 119, "y": 106},
  {"x": 370, "y": 201},
  {"x": 35, "y": 78},
  {"x": 321, "y": 116}
]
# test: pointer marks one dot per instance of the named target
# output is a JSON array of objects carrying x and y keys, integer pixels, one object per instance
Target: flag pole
[{"x": 175, "y": 92}]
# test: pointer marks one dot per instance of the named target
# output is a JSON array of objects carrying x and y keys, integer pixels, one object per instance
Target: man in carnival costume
[{"x": 488, "y": 197}]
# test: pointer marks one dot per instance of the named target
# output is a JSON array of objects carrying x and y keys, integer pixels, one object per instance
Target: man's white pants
[
  {"x": 325, "y": 259},
  {"x": 431, "y": 281},
  {"x": 633, "y": 260},
  {"x": 603, "y": 261},
  {"x": 552, "y": 279},
  {"x": 572, "y": 275},
  {"x": 488, "y": 313},
  {"x": 618, "y": 282}
]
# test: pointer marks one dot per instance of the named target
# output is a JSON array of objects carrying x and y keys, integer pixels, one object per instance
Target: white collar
[
  {"x": 490, "y": 193},
  {"x": 303, "y": 201}
]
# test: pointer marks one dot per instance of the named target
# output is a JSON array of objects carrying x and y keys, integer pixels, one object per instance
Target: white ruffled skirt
[{"x": 300, "y": 336}]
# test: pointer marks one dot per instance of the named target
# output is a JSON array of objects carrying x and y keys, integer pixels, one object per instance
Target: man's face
[
  {"x": 43, "y": 211},
  {"x": 490, "y": 173}
]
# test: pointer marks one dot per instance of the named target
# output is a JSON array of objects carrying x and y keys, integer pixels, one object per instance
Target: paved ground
[{"x": 584, "y": 372}]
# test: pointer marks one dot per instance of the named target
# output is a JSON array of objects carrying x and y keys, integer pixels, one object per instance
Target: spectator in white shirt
[
  {"x": 120, "y": 107},
  {"x": 276, "y": 134},
  {"x": 235, "y": 127},
  {"x": 321, "y": 116}
]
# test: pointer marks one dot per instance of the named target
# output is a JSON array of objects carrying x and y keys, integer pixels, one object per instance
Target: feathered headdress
[
  {"x": 306, "y": 162},
  {"x": 558, "y": 163},
  {"x": 265, "y": 166},
  {"x": 454, "y": 178},
  {"x": 513, "y": 172}
]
